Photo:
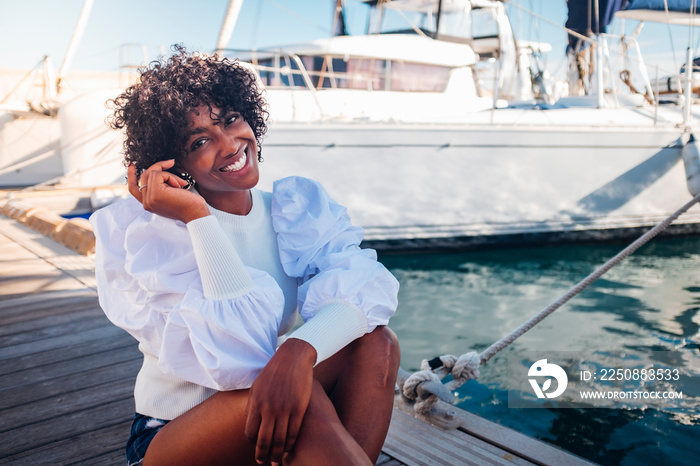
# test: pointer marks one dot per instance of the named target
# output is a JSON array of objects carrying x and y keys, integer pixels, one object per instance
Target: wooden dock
[{"x": 67, "y": 376}]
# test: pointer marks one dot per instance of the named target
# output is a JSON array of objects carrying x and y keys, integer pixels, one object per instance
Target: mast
[
  {"x": 599, "y": 57},
  {"x": 688, "y": 91},
  {"x": 230, "y": 19},
  {"x": 339, "y": 28},
  {"x": 75, "y": 40}
]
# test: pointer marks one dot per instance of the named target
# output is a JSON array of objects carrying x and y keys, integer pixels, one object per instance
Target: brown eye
[
  {"x": 231, "y": 119},
  {"x": 197, "y": 144}
]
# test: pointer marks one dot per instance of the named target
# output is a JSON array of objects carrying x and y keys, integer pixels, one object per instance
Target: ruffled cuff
[
  {"x": 223, "y": 274},
  {"x": 335, "y": 325}
]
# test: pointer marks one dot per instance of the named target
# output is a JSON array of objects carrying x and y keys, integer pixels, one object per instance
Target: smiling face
[{"x": 221, "y": 155}]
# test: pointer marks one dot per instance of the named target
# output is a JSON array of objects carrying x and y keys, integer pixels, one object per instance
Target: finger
[
  {"x": 262, "y": 447},
  {"x": 293, "y": 429},
  {"x": 252, "y": 425},
  {"x": 132, "y": 182},
  {"x": 154, "y": 181},
  {"x": 279, "y": 441},
  {"x": 173, "y": 180},
  {"x": 162, "y": 165},
  {"x": 155, "y": 168}
]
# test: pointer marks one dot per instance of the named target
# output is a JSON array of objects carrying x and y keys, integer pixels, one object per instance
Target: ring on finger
[{"x": 141, "y": 188}]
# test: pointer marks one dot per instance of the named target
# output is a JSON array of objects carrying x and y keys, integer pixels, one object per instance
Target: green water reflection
[{"x": 451, "y": 303}]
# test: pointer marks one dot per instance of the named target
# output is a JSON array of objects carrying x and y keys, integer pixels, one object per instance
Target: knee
[
  {"x": 382, "y": 345},
  {"x": 385, "y": 341}
]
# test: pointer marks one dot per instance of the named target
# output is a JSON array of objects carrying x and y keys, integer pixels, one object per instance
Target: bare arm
[{"x": 279, "y": 399}]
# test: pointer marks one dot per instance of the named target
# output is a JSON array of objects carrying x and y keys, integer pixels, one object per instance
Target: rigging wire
[
  {"x": 256, "y": 25},
  {"x": 466, "y": 366},
  {"x": 298, "y": 16},
  {"x": 670, "y": 36}
]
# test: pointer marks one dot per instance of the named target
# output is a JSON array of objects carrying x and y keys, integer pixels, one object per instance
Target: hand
[
  {"x": 278, "y": 400},
  {"x": 161, "y": 192}
]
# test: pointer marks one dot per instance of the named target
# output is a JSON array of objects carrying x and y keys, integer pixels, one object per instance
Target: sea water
[{"x": 452, "y": 303}]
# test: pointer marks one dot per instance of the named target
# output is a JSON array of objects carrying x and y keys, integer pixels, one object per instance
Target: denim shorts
[{"x": 143, "y": 429}]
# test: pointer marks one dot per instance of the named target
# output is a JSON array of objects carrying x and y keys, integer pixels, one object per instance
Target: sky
[{"x": 30, "y": 29}]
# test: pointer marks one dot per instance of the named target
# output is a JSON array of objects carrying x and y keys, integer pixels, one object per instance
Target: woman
[{"x": 206, "y": 278}]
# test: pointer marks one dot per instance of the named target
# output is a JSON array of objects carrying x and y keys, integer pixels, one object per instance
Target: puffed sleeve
[
  {"x": 183, "y": 293},
  {"x": 345, "y": 292}
]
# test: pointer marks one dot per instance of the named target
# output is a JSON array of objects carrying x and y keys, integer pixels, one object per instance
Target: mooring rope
[{"x": 466, "y": 366}]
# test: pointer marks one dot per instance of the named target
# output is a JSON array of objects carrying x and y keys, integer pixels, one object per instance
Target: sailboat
[
  {"x": 460, "y": 165},
  {"x": 50, "y": 118},
  {"x": 438, "y": 129}
]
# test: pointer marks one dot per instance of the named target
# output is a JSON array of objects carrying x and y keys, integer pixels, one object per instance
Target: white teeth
[{"x": 234, "y": 167}]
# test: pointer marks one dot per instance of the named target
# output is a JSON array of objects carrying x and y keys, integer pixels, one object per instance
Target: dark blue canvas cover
[{"x": 582, "y": 13}]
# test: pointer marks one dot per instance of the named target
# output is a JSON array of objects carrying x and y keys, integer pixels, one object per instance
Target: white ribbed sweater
[{"x": 224, "y": 244}]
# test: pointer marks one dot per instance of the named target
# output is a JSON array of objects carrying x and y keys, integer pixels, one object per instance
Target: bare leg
[
  {"x": 346, "y": 421},
  {"x": 360, "y": 381},
  {"x": 323, "y": 439},
  {"x": 212, "y": 434}
]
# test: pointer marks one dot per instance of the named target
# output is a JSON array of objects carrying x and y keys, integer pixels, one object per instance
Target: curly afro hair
[{"x": 154, "y": 110}]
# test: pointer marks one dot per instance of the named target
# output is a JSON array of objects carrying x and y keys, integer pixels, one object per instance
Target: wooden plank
[
  {"x": 506, "y": 440},
  {"x": 46, "y": 358},
  {"x": 15, "y": 441},
  {"x": 103, "y": 445},
  {"x": 66, "y": 403},
  {"x": 47, "y": 307},
  {"x": 34, "y": 384},
  {"x": 437, "y": 446},
  {"x": 517, "y": 443},
  {"x": 48, "y": 324},
  {"x": 51, "y": 344},
  {"x": 108, "y": 458},
  {"x": 79, "y": 268},
  {"x": 67, "y": 372},
  {"x": 73, "y": 325},
  {"x": 20, "y": 300},
  {"x": 39, "y": 282},
  {"x": 26, "y": 269}
]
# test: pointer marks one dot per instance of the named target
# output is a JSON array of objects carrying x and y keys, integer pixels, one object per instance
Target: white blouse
[{"x": 205, "y": 316}]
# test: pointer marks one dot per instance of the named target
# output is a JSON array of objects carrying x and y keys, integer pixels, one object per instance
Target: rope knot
[
  {"x": 466, "y": 367},
  {"x": 410, "y": 390},
  {"x": 411, "y": 385}
]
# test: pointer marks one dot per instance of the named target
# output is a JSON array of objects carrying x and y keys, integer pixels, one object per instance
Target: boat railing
[
  {"x": 277, "y": 70},
  {"x": 132, "y": 56},
  {"x": 683, "y": 83},
  {"x": 315, "y": 72},
  {"x": 627, "y": 43}
]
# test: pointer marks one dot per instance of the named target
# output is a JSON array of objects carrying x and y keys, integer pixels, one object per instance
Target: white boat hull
[
  {"x": 413, "y": 184},
  {"x": 512, "y": 175},
  {"x": 29, "y": 150}
]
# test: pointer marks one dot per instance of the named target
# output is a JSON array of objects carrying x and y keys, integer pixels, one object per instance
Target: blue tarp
[
  {"x": 582, "y": 17},
  {"x": 583, "y": 11},
  {"x": 673, "y": 5}
]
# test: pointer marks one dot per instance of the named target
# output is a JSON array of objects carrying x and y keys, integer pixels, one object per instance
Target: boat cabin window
[
  {"x": 459, "y": 21},
  {"x": 353, "y": 73}
]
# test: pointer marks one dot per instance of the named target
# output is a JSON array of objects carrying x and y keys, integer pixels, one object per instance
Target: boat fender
[{"x": 691, "y": 160}]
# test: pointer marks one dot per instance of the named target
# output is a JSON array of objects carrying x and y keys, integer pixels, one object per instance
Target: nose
[{"x": 232, "y": 145}]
